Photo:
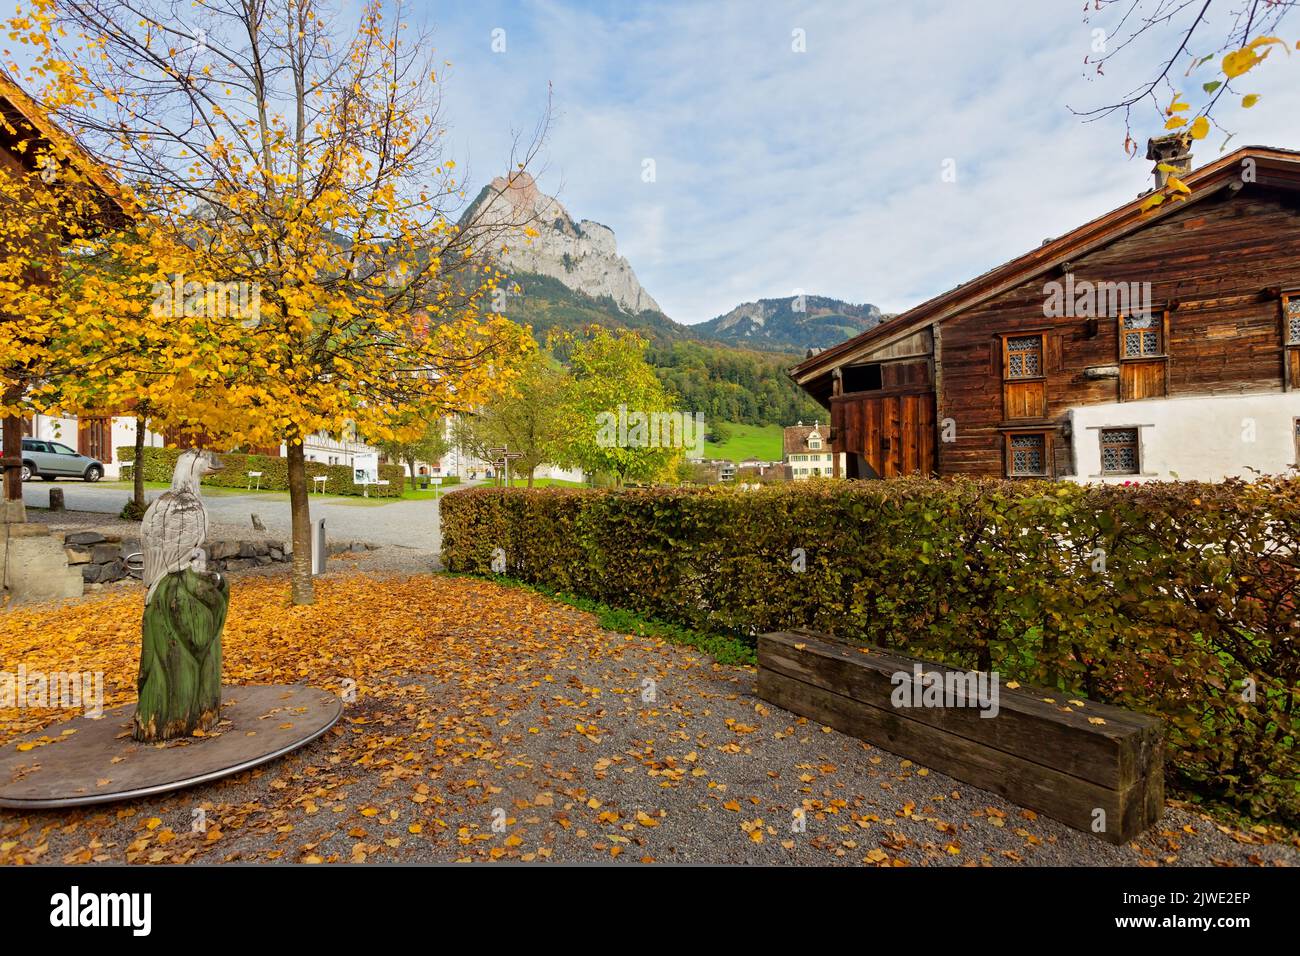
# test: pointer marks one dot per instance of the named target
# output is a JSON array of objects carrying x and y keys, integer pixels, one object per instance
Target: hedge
[
  {"x": 159, "y": 463},
  {"x": 1177, "y": 599}
]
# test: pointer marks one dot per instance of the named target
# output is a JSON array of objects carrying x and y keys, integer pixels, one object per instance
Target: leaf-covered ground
[{"x": 493, "y": 724}]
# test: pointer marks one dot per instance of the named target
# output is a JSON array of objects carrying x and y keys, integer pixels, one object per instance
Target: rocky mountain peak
[{"x": 582, "y": 254}]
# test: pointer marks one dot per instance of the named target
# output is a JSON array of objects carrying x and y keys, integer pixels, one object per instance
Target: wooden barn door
[
  {"x": 95, "y": 438},
  {"x": 893, "y": 433}
]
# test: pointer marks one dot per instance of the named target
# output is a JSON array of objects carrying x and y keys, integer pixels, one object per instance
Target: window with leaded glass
[
  {"x": 1292, "y": 320},
  {"x": 1024, "y": 356},
  {"x": 1028, "y": 453},
  {"x": 1119, "y": 451},
  {"x": 1140, "y": 335}
]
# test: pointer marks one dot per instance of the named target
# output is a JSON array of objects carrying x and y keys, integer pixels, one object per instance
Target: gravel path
[{"x": 580, "y": 745}]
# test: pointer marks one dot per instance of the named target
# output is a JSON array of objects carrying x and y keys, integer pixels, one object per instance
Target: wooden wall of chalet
[{"x": 1220, "y": 262}]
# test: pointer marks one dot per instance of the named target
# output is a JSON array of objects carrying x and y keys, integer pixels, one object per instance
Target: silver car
[{"x": 52, "y": 459}]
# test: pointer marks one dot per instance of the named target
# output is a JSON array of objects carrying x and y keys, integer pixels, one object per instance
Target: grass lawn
[
  {"x": 748, "y": 441},
  {"x": 211, "y": 491},
  {"x": 545, "y": 483}
]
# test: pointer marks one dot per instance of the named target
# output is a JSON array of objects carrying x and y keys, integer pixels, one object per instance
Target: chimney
[{"x": 1172, "y": 150}]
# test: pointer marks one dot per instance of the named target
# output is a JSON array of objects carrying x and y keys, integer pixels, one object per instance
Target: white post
[{"x": 319, "y": 551}]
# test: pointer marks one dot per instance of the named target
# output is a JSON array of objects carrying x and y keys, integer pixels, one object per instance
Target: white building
[
  {"x": 806, "y": 451},
  {"x": 100, "y": 438},
  {"x": 1205, "y": 438},
  {"x": 97, "y": 438}
]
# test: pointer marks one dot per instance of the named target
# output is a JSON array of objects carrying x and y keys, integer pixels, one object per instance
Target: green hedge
[
  {"x": 159, "y": 463},
  {"x": 1163, "y": 597}
]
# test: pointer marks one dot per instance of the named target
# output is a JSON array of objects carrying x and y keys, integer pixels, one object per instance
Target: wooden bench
[{"x": 1065, "y": 760}]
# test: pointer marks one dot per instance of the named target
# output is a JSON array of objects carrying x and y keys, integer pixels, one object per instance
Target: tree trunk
[
  {"x": 137, "y": 472},
  {"x": 530, "y": 475},
  {"x": 410, "y": 462},
  {"x": 11, "y": 427},
  {"x": 179, "y": 685},
  {"x": 300, "y": 516}
]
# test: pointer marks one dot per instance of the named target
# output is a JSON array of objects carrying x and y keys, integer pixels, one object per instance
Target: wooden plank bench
[{"x": 1038, "y": 750}]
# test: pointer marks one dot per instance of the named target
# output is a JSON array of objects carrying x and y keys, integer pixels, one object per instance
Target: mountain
[
  {"x": 547, "y": 303},
  {"x": 792, "y": 324},
  {"x": 582, "y": 255},
  {"x": 723, "y": 382},
  {"x": 570, "y": 275}
]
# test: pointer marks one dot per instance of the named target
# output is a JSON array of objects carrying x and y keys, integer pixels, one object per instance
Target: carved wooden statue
[{"x": 185, "y": 609}]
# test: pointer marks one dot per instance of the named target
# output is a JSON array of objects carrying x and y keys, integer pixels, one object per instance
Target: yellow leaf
[
  {"x": 1250, "y": 100},
  {"x": 1200, "y": 127}
]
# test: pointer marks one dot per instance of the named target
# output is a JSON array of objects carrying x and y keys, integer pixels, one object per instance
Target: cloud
[{"x": 818, "y": 170}]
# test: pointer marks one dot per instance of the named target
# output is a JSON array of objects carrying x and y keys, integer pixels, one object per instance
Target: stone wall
[{"x": 101, "y": 558}]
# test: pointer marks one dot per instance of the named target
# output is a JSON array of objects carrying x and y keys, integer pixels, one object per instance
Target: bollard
[
  {"x": 319, "y": 551},
  {"x": 56, "y": 499}
]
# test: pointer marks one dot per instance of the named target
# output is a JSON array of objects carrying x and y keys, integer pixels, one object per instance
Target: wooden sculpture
[{"x": 185, "y": 609}]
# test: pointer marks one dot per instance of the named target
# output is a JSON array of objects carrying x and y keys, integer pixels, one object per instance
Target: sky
[
  {"x": 875, "y": 151},
  {"x": 819, "y": 170}
]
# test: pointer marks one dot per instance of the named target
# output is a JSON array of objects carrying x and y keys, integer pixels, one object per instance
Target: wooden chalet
[{"x": 1047, "y": 366}]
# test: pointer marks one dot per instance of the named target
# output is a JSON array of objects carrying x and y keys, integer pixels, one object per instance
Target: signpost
[{"x": 502, "y": 457}]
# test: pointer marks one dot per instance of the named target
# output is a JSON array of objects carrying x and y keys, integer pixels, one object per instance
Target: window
[
  {"x": 1140, "y": 335},
  {"x": 1024, "y": 356},
  {"x": 1119, "y": 451},
  {"x": 814, "y": 443},
  {"x": 861, "y": 378},
  {"x": 1296, "y": 423},
  {"x": 59, "y": 449},
  {"x": 1027, "y": 454},
  {"x": 1292, "y": 306}
]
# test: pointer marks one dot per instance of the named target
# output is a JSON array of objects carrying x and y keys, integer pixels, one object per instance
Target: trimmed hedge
[
  {"x": 159, "y": 463},
  {"x": 1177, "y": 599}
]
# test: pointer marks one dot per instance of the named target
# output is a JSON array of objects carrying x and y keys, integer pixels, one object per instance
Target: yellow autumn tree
[{"x": 295, "y": 266}]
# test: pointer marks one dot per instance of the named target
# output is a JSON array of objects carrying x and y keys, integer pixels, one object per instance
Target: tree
[
  {"x": 526, "y": 418},
  {"x": 52, "y": 198},
  {"x": 1207, "y": 58},
  {"x": 614, "y": 409},
  {"x": 296, "y": 224},
  {"x": 429, "y": 445},
  {"x": 134, "y": 509}
]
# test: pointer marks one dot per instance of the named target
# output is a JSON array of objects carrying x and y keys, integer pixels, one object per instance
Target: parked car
[{"x": 51, "y": 459}]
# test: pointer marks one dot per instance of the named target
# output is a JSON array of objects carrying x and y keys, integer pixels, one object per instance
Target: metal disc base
[{"x": 100, "y": 763}]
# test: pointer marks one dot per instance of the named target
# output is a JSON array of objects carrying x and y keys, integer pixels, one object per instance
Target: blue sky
[{"x": 820, "y": 170}]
